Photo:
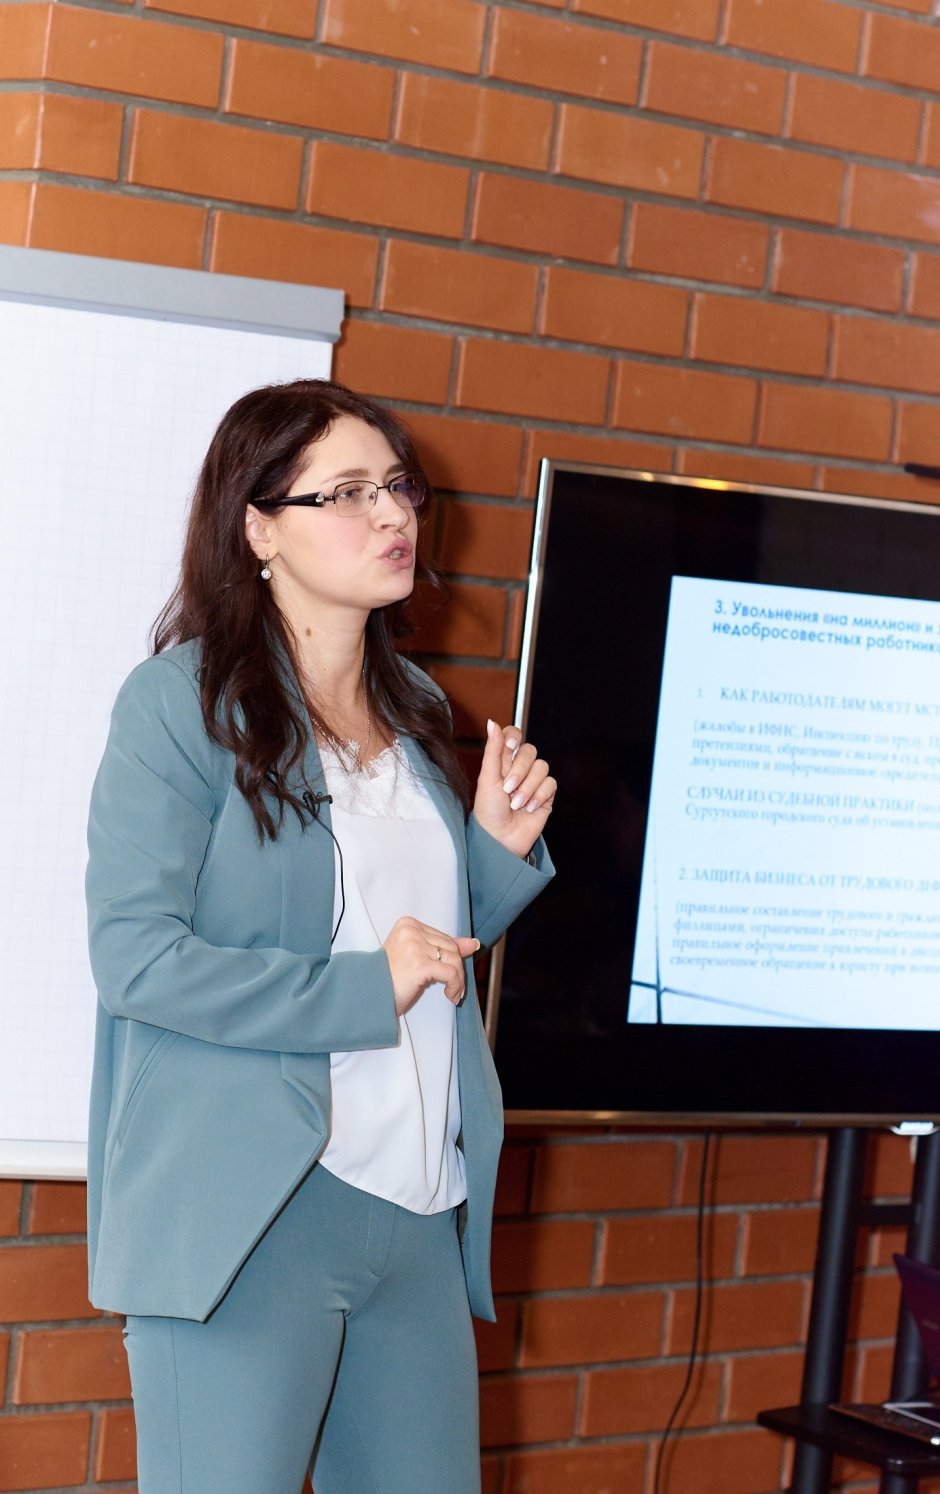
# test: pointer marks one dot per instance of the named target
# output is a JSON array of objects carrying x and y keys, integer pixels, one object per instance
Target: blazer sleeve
[
  {"x": 501, "y": 883},
  {"x": 149, "y": 830}
]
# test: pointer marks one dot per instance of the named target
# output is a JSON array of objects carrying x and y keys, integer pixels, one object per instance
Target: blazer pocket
[{"x": 144, "y": 1074}]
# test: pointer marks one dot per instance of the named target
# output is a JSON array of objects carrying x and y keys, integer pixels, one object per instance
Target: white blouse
[{"x": 395, "y": 1111}]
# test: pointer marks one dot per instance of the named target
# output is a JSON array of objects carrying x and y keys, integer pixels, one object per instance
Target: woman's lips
[{"x": 400, "y": 556}]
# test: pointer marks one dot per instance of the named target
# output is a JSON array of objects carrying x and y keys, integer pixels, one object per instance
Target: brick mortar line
[
  {"x": 469, "y": 214},
  {"x": 895, "y": 432},
  {"x": 461, "y": 578},
  {"x": 871, "y": 7},
  {"x": 104, "y": 1487},
  {"x": 610, "y": 1133},
  {"x": 803, "y": 303},
  {"x": 923, "y": 131},
  {"x": 708, "y": 163},
  {"x": 680, "y": 1284},
  {"x": 74, "y": 1237},
  {"x": 649, "y": 1434},
  {"x": 772, "y": 259},
  {"x": 505, "y": 87},
  {"x": 225, "y": 74},
  {"x": 603, "y": 1439},
  {"x": 463, "y": 331},
  {"x": 182, "y": 22},
  {"x": 70, "y": 1237},
  {"x": 487, "y": 249},
  {"x": 112, "y": 7},
  {"x": 534, "y": 1373},
  {"x": 54, "y": 1325},
  {"x": 789, "y": 104},
  {"x": 762, "y": 377},
  {"x": 881, "y": 466},
  {"x": 626, "y": 1439},
  {"x": 488, "y": 38},
  {"x": 459, "y": 496},
  {"x": 506, "y": 640},
  {"x": 687, "y": 1211},
  {"x": 506, "y": 251},
  {"x": 764, "y": 383},
  {"x": 94, "y": 1442},
  {"x": 21, "y": 1331},
  {"x": 539, "y": 425},
  {"x": 26, "y": 1199},
  {"x": 388, "y": 144},
  {"x": 643, "y": 35},
  {"x": 580, "y": 1395},
  {"x": 312, "y": 46},
  {"x": 306, "y": 173},
  {"x": 12, "y": 1354},
  {"x": 101, "y": 1488},
  {"x": 643, "y": 71},
  {"x": 379, "y": 279},
  {"x": 107, "y": 7},
  {"x": 622, "y": 267},
  {"x": 791, "y": 66},
  {"x": 68, "y": 1408}
]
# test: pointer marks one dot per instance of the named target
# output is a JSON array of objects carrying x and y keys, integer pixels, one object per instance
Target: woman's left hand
[{"x": 514, "y": 790}]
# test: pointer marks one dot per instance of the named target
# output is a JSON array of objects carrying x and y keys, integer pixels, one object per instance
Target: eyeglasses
[{"x": 359, "y": 497}]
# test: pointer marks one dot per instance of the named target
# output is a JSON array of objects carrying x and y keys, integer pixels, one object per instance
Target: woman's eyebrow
[{"x": 348, "y": 472}]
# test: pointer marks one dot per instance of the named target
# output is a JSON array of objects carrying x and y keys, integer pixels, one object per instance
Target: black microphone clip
[{"x": 312, "y": 802}]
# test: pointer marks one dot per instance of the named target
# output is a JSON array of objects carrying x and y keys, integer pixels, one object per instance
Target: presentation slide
[{"x": 791, "y": 869}]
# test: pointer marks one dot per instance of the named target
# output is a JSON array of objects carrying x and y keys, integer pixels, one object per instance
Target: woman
[{"x": 295, "y": 1121}]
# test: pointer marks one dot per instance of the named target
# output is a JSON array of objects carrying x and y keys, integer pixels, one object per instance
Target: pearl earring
[{"x": 266, "y": 569}]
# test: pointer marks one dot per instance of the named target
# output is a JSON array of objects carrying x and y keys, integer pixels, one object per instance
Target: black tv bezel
[{"x": 574, "y": 1082}]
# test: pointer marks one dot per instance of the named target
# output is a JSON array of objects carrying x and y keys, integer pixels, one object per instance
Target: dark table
[{"x": 847, "y": 1438}]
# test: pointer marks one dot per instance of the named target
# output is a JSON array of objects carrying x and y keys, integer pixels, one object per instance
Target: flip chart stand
[{"x": 821, "y": 1434}]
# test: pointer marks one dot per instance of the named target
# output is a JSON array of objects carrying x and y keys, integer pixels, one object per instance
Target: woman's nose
[{"x": 388, "y": 512}]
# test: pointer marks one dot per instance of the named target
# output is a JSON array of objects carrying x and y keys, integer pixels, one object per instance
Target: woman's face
[{"x": 320, "y": 558}]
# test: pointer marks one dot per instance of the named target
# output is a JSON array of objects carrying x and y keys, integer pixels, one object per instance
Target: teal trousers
[{"x": 344, "y": 1345}]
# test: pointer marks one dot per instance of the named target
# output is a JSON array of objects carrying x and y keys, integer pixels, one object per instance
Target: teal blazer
[{"x": 219, "y": 1003}]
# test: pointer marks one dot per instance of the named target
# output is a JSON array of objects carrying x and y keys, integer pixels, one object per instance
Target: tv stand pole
[
  {"x": 832, "y": 1290},
  {"x": 820, "y": 1435},
  {"x": 908, "y": 1375}
]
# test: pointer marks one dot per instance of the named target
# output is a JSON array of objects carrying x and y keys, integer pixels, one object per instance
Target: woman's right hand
[{"x": 420, "y": 956}]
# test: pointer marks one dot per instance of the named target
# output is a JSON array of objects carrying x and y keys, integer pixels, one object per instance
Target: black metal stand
[
  {"x": 820, "y": 1434},
  {"x": 832, "y": 1289}
]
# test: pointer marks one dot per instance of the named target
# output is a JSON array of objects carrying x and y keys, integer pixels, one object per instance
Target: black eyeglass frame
[{"x": 319, "y": 500}]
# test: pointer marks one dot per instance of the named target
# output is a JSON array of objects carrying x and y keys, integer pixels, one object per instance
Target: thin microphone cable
[
  {"x": 696, "y": 1317},
  {"x": 312, "y": 802}
]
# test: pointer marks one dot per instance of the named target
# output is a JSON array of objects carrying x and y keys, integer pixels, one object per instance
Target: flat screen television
[{"x": 738, "y": 689}]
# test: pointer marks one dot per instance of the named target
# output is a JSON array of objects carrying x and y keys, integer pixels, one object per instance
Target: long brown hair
[{"x": 249, "y": 702}]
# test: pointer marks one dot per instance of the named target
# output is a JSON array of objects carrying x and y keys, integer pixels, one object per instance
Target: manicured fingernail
[
  {"x": 512, "y": 744},
  {"x": 517, "y": 801},
  {"x": 532, "y": 804},
  {"x": 511, "y": 783},
  {"x": 490, "y": 727}
]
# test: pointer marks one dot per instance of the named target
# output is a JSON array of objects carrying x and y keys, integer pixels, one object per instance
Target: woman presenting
[{"x": 295, "y": 1122}]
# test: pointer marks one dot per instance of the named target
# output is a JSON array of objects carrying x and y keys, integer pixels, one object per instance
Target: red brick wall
[
  {"x": 693, "y": 235},
  {"x": 594, "y": 1259}
]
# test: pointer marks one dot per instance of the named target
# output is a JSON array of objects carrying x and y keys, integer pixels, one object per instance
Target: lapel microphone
[{"x": 312, "y": 802}]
